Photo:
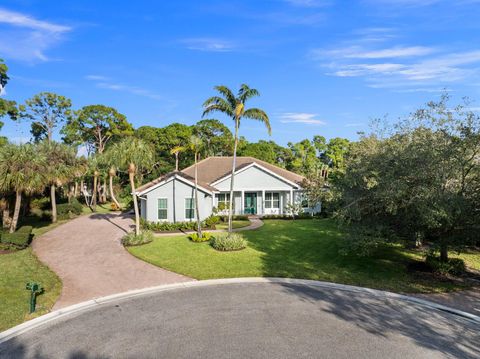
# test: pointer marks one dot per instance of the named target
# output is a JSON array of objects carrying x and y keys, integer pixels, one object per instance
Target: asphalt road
[{"x": 252, "y": 320}]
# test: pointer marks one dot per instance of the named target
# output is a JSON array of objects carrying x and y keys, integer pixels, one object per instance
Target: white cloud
[
  {"x": 208, "y": 44},
  {"x": 300, "y": 117},
  {"x": 21, "y": 20},
  {"x": 105, "y": 83},
  {"x": 25, "y": 38}
]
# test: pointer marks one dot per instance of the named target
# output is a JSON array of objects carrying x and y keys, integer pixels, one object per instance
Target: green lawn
[
  {"x": 235, "y": 224},
  {"x": 16, "y": 269},
  {"x": 300, "y": 249}
]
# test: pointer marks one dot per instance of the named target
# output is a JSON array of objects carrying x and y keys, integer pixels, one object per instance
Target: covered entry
[{"x": 250, "y": 203}]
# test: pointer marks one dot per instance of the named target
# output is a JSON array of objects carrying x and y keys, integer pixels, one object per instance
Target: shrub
[
  {"x": 114, "y": 207},
  {"x": 167, "y": 226},
  {"x": 133, "y": 240},
  {"x": 211, "y": 221},
  {"x": 204, "y": 238},
  {"x": 454, "y": 266},
  {"x": 228, "y": 242},
  {"x": 18, "y": 239},
  {"x": 289, "y": 216},
  {"x": 239, "y": 217},
  {"x": 69, "y": 210}
]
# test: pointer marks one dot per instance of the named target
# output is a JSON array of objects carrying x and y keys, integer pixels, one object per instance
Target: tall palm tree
[
  {"x": 196, "y": 146},
  {"x": 60, "y": 167},
  {"x": 21, "y": 171},
  {"x": 134, "y": 155},
  {"x": 176, "y": 151},
  {"x": 108, "y": 162},
  {"x": 234, "y": 107}
]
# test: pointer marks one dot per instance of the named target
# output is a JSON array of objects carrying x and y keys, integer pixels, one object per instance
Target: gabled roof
[
  {"x": 144, "y": 188},
  {"x": 212, "y": 169}
]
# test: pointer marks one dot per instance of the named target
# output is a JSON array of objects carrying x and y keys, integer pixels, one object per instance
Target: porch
[{"x": 254, "y": 202}]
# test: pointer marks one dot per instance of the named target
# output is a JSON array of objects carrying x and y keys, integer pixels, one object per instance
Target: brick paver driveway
[{"x": 87, "y": 255}]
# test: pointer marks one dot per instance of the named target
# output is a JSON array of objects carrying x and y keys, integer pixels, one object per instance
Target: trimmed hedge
[
  {"x": 19, "y": 239},
  {"x": 170, "y": 227},
  {"x": 235, "y": 218},
  {"x": 69, "y": 210},
  {"x": 289, "y": 217},
  {"x": 133, "y": 240}
]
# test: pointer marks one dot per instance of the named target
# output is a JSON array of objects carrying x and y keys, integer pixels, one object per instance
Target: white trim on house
[
  {"x": 255, "y": 164},
  {"x": 158, "y": 209},
  {"x": 180, "y": 178}
]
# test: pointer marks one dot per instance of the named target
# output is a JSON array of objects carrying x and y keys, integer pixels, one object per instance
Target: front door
[{"x": 250, "y": 204}]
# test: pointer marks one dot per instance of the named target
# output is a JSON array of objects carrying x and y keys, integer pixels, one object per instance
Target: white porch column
[
  {"x": 281, "y": 202},
  {"x": 242, "y": 206},
  {"x": 263, "y": 201},
  {"x": 291, "y": 197}
]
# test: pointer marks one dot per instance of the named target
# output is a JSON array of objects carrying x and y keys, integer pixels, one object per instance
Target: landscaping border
[{"x": 39, "y": 321}]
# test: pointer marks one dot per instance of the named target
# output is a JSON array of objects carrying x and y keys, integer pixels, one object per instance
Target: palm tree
[
  {"x": 176, "y": 151},
  {"x": 234, "y": 107},
  {"x": 134, "y": 155},
  {"x": 22, "y": 171},
  {"x": 60, "y": 166},
  {"x": 196, "y": 146}
]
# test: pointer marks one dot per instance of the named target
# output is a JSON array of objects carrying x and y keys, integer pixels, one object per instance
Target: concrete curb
[{"x": 44, "y": 319}]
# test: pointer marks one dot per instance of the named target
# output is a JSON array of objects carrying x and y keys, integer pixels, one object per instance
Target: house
[{"x": 260, "y": 188}]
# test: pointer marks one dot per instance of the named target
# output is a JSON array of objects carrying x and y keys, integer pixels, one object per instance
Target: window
[
  {"x": 223, "y": 200},
  {"x": 162, "y": 208},
  {"x": 272, "y": 200},
  {"x": 189, "y": 208},
  {"x": 304, "y": 200}
]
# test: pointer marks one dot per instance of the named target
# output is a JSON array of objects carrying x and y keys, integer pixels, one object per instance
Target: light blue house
[{"x": 260, "y": 188}]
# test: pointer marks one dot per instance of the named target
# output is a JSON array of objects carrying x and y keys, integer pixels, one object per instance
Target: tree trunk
[
  {"x": 16, "y": 211},
  {"x": 94, "y": 193},
  {"x": 112, "y": 196},
  {"x": 53, "y": 203},
  {"x": 131, "y": 175},
  {"x": 230, "y": 204},
  {"x": 197, "y": 209},
  {"x": 176, "y": 161},
  {"x": 443, "y": 252},
  {"x": 75, "y": 190},
  {"x": 6, "y": 219},
  {"x": 104, "y": 190}
]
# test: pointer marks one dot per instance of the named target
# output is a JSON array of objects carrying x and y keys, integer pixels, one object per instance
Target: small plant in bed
[
  {"x": 194, "y": 237},
  {"x": 228, "y": 242},
  {"x": 133, "y": 240}
]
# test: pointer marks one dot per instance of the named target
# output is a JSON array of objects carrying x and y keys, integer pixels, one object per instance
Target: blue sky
[{"x": 322, "y": 66}]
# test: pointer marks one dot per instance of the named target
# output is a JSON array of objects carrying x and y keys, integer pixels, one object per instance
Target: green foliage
[
  {"x": 239, "y": 217},
  {"x": 19, "y": 239},
  {"x": 228, "y": 241},
  {"x": 170, "y": 227},
  {"x": 95, "y": 126},
  {"x": 454, "y": 266},
  {"x": 216, "y": 137},
  {"x": 422, "y": 181},
  {"x": 211, "y": 221},
  {"x": 137, "y": 240},
  {"x": 194, "y": 237},
  {"x": 289, "y": 216},
  {"x": 46, "y": 111},
  {"x": 267, "y": 151},
  {"x": 69, "y": 210}
]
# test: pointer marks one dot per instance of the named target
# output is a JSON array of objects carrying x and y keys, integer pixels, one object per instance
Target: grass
[
  {"x": 235, "y": 224},
  {"x": 16, "y": 270},
  {"x": 301, "y": 249}
]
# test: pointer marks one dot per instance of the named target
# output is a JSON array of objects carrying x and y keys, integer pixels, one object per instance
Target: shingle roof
[{"x": 214, "y": 168}]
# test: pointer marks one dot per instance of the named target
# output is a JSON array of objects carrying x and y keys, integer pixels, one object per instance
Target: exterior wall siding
[{"x": 182, "y": 191}]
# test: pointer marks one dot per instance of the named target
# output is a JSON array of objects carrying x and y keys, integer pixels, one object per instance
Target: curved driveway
[
  {"x": 252, "y": 320},
  {"x": 87, "y": 255}
]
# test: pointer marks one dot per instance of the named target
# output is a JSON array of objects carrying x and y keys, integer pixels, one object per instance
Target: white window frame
[
  {"x": 269, "y": 203},
  {"x": 192, "y": 199},
  {"x": 165, "y": 209},
  {"x": 226, "y": 199}
]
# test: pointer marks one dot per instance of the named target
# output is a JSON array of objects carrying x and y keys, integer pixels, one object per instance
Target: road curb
[{"x": 70, "y": 310}]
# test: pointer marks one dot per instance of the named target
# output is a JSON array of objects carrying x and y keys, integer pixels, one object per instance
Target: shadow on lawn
[
  {"x": 310, "y": 249},
  {"x": 443, "y": 332}
]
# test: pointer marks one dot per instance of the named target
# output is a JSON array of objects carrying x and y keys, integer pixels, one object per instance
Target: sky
[{"x": 325, "y": 67}]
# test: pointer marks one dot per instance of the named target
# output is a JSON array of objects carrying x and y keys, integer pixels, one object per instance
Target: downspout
[{"x": 174, "y": 201}]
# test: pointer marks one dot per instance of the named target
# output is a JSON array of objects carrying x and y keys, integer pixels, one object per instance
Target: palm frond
[
  {"x": 245, "y": 93},
  {"x": 259, "y": 115},
  {"x": 227, "y": 93},
  {"x": 219, "y": 104}
]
